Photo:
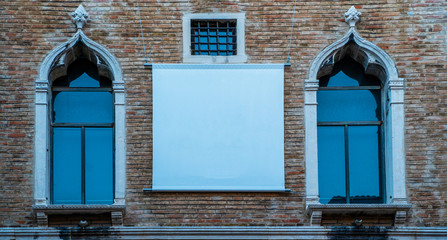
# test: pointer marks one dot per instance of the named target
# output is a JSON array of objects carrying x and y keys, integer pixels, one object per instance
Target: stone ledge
[
  {"x": 315, "y": 211},
  {"x": 236, "y": 233},
  {"x": 41, "y": 212}
]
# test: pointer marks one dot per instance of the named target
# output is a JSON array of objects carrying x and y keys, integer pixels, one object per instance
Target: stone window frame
[
  {"x": 379, "y": 63},
  {"x": 240, "y": 57},
  {"x": 42, "y": 206}
]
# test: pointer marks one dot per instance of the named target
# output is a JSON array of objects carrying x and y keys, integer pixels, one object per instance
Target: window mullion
[
  {"x": 228, "y": 38},
  {"x": 347, "y": 164},
  {"x": 208, "y": 37},
  {"x": 217, "y": 38}
]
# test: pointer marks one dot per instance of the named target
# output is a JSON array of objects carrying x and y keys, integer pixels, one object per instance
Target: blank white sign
[{"x": 218, "y": 127}]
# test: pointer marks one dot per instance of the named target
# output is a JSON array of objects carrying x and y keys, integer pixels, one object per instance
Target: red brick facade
[{"x": 413, "y": 33}]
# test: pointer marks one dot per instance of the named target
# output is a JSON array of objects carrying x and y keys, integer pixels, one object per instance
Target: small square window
[
  {"x": 203, "y": 34},
  {"x": 214, "y": 38}
]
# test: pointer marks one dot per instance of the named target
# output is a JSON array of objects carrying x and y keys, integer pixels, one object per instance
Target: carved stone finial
[
  {"x": 80, "y": 17},
  {"x": 352, "y": 16}
]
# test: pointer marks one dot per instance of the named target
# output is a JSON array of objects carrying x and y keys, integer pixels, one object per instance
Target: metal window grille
[{"x": 213, "y": 37}]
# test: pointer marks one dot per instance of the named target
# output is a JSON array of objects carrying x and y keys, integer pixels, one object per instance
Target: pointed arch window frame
[
  {"x": 394, "y": 123},
  {"x": 42, "y": 124}
]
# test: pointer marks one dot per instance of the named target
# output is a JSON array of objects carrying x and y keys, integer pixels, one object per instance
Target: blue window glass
[
  {"x": 98, "y": 165},
  {"x": 348, "y": 105},
  {"x": 79, "y": 107},
  {"x": 67, "y": 169},
  {"x": 331, "y": 153},
  {"x": 364, "y": 164},
  {"x": 349, "y": 136},
  {"x": 84, "y": 81}
]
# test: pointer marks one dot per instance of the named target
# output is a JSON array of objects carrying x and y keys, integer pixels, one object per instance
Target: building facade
[{"x": 223, "y": 119}]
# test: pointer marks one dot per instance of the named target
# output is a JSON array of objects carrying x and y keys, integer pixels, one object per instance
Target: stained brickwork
[{"x": 413, "y": 33}]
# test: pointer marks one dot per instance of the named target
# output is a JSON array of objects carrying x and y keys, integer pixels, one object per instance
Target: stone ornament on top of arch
[
  {"x": 53, "y": 66},
  {"x": 372, "y": 56},
  {"x": 378, "y": 63},
  {"x": 80, "y": 18}
]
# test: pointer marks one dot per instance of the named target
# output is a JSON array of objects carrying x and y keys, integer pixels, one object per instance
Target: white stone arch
[
  {"x": 376, "y": 62},
  {"x": 375, "y": 55},
  {"x": 56, "y": 57}
]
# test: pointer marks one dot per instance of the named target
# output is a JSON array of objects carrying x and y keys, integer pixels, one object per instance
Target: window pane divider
[
  {"x": 351, "y": 123},
  {"x": 82, "y": 124},
  {"x": 82, "y": 89},
  {"x": 351, "y": 88}
]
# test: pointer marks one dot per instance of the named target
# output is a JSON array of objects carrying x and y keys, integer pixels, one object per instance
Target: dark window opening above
[
  {"x": 213, "y": 37},
  {"x": 82, "y": 73}
]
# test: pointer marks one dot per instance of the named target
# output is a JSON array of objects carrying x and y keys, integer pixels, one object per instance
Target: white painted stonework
[
  {"x": 80, "y": 17},
  {"x": 352, "y": 16},
  {"x": 380, "y": 64}
]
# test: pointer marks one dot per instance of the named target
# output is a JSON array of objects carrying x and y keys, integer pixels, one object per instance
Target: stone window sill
[
  {"x": 41, "y": 212},
  {"x": 315, "y": 211}
]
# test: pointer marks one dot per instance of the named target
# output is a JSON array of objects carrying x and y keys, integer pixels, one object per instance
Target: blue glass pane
[
  {"x": 342, "y": 80},
  {"x": 84, "y": 81},
  {"x": 67, "y": 166},
  {"x": 82, "y": 107},
  {"x": 99, "y": 165},
  {"x": 364, "y": 163},
  {"x": 203, "y": 47},
  {"x": 331, "y": 164},
  {"x": 348, "y": 105}
]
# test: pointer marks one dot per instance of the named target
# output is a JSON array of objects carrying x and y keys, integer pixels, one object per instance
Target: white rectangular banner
[{"x": 218, "y": 127}]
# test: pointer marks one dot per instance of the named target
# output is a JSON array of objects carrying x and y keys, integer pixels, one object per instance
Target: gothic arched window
[
  {"x": 80, "y": 130},
  {"x": 354, "y": 130}
]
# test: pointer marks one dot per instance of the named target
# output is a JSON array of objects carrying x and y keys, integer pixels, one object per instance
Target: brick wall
[{"x": 412, "y": 32}]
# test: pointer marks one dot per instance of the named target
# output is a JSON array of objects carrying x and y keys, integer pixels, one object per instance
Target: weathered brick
[{"x": 412, "y": 32}]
